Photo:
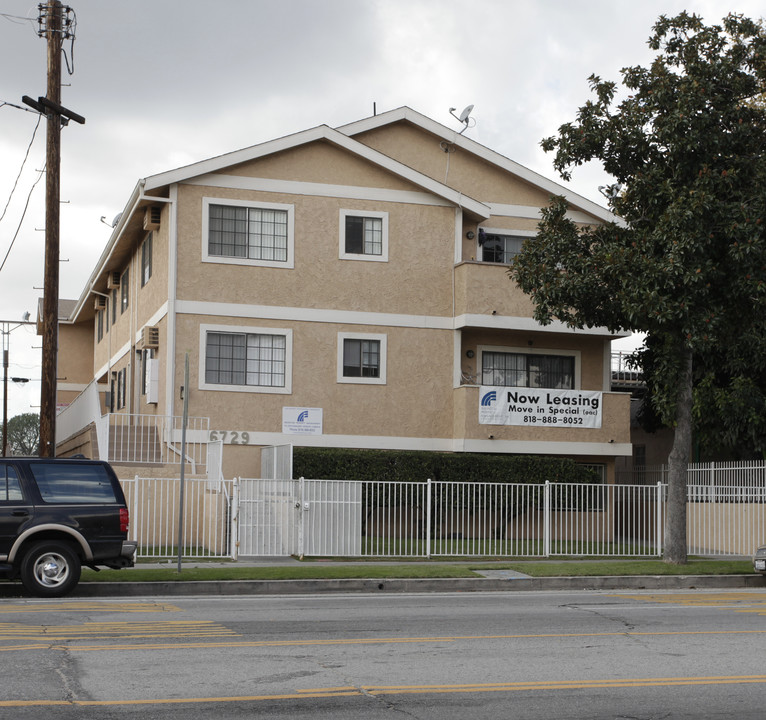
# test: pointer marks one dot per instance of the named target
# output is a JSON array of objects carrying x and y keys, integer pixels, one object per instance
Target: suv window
[
  {"x": 10, "y": 489},
  {"x": 65, "y": 483}
]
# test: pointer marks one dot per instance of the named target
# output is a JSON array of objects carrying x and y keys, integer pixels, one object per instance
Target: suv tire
[{"x": 50, "y": 569}]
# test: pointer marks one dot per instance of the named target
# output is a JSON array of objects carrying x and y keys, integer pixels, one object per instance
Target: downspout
[{"x": 170, "y": 363}]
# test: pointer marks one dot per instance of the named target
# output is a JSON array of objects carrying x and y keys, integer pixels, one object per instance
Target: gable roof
[
  {"x": 321, "y": 132},
  {"x": 452, "y": 136}
]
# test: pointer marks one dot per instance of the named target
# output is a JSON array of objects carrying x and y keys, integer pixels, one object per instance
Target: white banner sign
[
  {"x": 539, "y": 407},
  {"x": 301, "y": 421}
]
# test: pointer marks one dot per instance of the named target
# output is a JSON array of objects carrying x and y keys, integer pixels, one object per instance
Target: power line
[
  {"x": 21, "y": 169},
  {"x": 16, "y": 234},
  {"x": 3, "y": 103}
]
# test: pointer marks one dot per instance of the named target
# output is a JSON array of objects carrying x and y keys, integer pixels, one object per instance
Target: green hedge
[{"x": 418, "y": 466}]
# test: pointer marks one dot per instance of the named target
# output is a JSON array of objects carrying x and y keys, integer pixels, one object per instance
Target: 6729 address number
[{"x": 230, "y": 437}]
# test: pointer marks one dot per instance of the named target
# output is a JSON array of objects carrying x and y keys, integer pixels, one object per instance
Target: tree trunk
[{"x": 678, "y": 461}]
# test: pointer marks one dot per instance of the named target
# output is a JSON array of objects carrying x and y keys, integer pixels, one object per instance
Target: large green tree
[
  {"x": 24, "y": 434},
  {"x": 684, "y": 141}
]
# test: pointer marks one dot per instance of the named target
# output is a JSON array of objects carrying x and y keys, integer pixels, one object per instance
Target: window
[
  {"x": 65, "y": 483},
  {"x": 99, "y": 325},
  {"x": 124, "y": 290},
  {"x": 499, "y": 248},
  {"x": 114, "y": 306},
  {"x": 121, "y": 387},
  {"x": 146, "y": 356},
  {"x": 527, "y": 370},
  {"x": 363, "y": 235},
  {"x": 146, "y": 260},
  {"x": 10, "y": 489},
  {"x": 248, "y": 233},
  {"x": 255, "y": 359},
  {"x": 361, "y": 358}
]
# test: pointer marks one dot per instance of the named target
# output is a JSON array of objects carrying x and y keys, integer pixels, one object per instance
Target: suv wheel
[{"x": 50, "y": 569}]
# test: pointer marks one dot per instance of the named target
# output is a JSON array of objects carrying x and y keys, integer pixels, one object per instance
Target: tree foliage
[
  {"x": 24, "y": 434},
  {"x": 686, "y": 262}
]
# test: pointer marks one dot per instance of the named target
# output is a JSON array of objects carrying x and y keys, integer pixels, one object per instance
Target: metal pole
[
  {"x": 428, "y": 518},
  {"x": 5, "y": 394},
  {"x": 183, "y": 462}
]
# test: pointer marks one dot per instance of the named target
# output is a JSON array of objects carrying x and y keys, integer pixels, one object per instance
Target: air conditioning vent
[
  {"x": 152, "y": 217},
  {"x": 113, "y": 281},
  {"x": 150, "y": 336},
  {"x": 99, "y": 303}
]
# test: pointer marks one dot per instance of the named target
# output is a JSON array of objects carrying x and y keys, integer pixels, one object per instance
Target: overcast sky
[{"x": 163, "y": 83}]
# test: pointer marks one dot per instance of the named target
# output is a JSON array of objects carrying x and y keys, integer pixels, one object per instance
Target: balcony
[
  {"x": 484, "y": 289},
  {"x": 612, "y": 438}
]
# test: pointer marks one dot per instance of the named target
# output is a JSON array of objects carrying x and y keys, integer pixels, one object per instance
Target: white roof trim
[
  {"x": 322, "y": 132},
  {"x": 452, "y": 136}
]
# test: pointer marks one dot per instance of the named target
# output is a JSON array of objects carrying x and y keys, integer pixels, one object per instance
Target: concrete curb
[{"x": 384, "y": 586}]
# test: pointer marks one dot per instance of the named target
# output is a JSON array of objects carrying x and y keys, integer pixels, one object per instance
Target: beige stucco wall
[
  {"x": 414, "y": 402},
  {"x": 322, "y": 162},
  {"x": 486, "y": 289},
  {"x": 74, "y": 365},
  {"x": 415, "y": 280}
]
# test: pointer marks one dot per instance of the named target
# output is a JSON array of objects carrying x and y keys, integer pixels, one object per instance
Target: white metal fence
[
  {"x": 154, "y": 514},
  {"x": 254, "y": 517}
]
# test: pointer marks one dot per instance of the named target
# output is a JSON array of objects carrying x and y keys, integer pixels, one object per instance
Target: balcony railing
[
  {"x": 624, "y": 375},
  {"x": 154, "y": 440}
]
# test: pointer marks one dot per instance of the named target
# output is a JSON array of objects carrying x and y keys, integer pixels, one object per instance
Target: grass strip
[{"x": 294, "y": 572}]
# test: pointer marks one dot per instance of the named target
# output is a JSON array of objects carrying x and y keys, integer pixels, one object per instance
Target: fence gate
[
  {"x": 269, "y": 511},
  {"x": 331, "y": 517},
  {"x": 277, "y": 461}
]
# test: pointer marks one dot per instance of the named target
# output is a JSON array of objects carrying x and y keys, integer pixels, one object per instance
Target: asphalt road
[{"x": 608, "y": 654}]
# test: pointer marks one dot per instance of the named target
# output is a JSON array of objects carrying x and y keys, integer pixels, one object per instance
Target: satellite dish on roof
[
  {"x": 114, "y": 222},
  {"x": 464, "y": 117}
]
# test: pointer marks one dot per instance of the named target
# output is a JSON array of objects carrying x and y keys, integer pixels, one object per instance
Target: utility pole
[{"x": 54, "y": 28}]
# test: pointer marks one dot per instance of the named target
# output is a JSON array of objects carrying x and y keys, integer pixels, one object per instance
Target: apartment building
[{"x": 341, "y": 287}]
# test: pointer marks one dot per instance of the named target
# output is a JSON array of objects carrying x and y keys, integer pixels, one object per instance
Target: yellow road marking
[
  {"x": 701, "y": 599},
  {"x": 751, "y": 602},
  {"x": 355, "y": 641},
  {"x": 350, "y": 691},
  {"x": 106, "y": 630},
  {"x": 123, "y": 607}
]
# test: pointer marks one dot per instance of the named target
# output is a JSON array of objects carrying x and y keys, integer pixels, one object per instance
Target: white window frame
[
  {"x": 256, "y": 205},
  {"x": 382, "y": 339},
  {"x": 576, "y": 354},
  {"x": 500, "y": 231},
  {"x": 146, "y": 258},
  {"x": 239, "y": 329},
  {"x": 343, "y": 255}
]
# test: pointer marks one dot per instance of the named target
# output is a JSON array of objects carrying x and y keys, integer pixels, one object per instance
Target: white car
[{"x": 759, "y": 560}]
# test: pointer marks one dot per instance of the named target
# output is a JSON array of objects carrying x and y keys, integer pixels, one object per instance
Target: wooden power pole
[
  {"x": 54, "y": 28},
  {"x": 54, "y": 34}
]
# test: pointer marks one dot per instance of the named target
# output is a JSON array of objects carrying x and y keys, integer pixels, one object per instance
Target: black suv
[{"x": 57, "y": 515}]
